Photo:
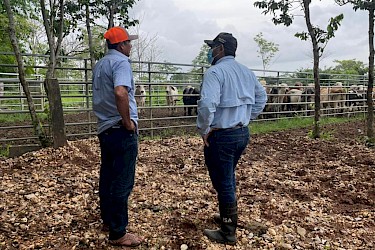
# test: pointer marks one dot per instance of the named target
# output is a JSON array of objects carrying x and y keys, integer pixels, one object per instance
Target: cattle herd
[
  {"x": 297, "y": 98},
  {"x": 283, "y": 99}
]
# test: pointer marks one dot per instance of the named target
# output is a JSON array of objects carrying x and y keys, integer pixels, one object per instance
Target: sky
[{"x": 182, "y": 25}]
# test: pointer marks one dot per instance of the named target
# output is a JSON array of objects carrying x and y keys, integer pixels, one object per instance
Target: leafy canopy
[{"x": 283, "y": 13}]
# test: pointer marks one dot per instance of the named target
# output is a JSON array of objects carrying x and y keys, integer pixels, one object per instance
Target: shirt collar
[
  {"x": 225, "y": 58},
  {"x": 118, "y": 53}
]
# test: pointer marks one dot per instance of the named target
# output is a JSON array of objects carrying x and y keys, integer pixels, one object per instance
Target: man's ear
[{"x": 221, "y": 48}]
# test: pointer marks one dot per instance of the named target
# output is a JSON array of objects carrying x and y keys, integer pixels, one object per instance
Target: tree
[
  {"x": 349, "y": 67},
  {"x": 282, "y": 14},
  {"x": 53, "y": 20},
  {"x": 368, "y": 5},
  {"x": 38, "y": 128},
  {"x": 266, "y": 50},
  {"x": 22, "y": 18},
  {"x": 144, "y": 49},
  {"x": 200, "y": 61},
  {"x": 115, "y": 11}
]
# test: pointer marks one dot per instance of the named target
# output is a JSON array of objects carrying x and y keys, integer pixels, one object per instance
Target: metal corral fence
[{"x": 162, "y": 110}]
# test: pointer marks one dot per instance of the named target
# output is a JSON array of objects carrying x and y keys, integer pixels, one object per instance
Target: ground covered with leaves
[{"x": 293, "y": 193}]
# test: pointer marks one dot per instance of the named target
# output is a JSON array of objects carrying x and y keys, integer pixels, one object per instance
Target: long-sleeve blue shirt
[{"x": 231, "y": 95}]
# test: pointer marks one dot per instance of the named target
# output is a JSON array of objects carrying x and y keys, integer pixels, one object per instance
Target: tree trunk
[
  {"x": 370, "y": 114},
  {"x": 37, "y": 125},
  {"x": 112, "y": 7},
  {"x": 56, "y": 113},
  {"x": 316, "y": 131},
  {"x": 51, "y": 84},
  {"x": 89, "y": 35}
]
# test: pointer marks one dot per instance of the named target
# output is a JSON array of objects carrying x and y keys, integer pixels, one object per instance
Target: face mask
[{"x": 210, "y": 58}]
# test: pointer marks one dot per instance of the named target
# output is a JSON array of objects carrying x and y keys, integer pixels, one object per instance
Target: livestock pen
[{"x": 289, "y": 95}]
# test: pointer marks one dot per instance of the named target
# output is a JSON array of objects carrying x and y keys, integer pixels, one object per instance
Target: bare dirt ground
[{"x": 311, "y": 194}]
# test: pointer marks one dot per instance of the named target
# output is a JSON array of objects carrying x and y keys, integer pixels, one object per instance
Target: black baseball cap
[{"x": 226, "y": 39}]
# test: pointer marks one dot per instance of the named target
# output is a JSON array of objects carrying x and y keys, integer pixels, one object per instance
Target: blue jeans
[
  {"x": 221, "y": 157},
  {"x": 119, "y": 150}
]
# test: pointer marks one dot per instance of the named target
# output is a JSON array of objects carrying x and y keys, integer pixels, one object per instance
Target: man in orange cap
[{"x": 115, "y": 107}]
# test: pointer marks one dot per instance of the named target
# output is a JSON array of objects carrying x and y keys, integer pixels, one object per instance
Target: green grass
[
  {"x": 263, "y": 127},
  {"x": 20, "y": 117},
  {"x": 4, "y": 151}
]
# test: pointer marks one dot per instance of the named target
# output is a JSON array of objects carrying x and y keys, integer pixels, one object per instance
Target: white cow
[
  {"x": 294, "y": 98},
  {"x": 172, "y": 98},
  {"x": 140, "y": 95}
]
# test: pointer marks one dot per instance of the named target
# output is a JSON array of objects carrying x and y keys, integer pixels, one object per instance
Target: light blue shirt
[
  {"x": 231, "y": 95},
  {"x": 112, "y": 70}
]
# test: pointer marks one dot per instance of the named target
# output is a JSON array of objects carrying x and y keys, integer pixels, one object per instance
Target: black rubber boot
[
  {"x": 217, "y": 219},
  {"x": 228, "y": 224}
]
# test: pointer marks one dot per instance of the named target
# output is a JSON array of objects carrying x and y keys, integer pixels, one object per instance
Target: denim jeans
[
  {"x": 221, "y": 157},
  {"x": 119, "y": 150}
]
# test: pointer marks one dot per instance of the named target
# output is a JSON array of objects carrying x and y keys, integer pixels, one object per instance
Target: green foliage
[
  {"x": 119, "y": 8},
  {"x": 200, "y": 60},
  {"x": 323, "y": 36},
  {"x": 279, "y": 9},
  {"x": 266, "y": 50},
  {"x": 353, "y": 69},
  {"x": 282, "y": 14},
  {"x": 325, "y": 135},
  {"x": 165, "y": 71},
  {"x": 358, "y": 4},
  {"x": 349, "y": 67},
  {"x": 4, "y": 151}
]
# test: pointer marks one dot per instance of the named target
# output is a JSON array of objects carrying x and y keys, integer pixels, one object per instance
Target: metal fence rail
[{"x": 155, "y": 116}]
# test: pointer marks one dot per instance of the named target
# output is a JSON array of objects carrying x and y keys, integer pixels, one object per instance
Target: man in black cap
[{"x": 231, "y": 96}]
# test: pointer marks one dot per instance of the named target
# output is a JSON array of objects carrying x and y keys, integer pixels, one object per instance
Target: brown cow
[{"x": 333, "y": 97}]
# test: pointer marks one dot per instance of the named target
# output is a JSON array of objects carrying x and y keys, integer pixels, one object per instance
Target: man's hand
[
  {"x": 205, "y": 139},
  {"x": 129, "y": 125}
]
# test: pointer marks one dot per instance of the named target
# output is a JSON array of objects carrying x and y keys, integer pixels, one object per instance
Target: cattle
[
  {"x": 307, "y": 98},
  {"x": 278, "y": 96},
  {"x": 190, "y": 97},
  {"x": 172, "y": 98},
  {"x": 297, "y": 85},
  {"x": 140, "y": 95},
  {"x": 294, "y": 100},
  {"x": 355, "y": 98},
  {"x": 277, "y": 99},
  {"x": 265, "y": 86},
  {"x": 333, "y": 97}
]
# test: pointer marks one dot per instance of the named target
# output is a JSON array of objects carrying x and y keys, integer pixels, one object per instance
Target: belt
[
  {"x": 228, "y": 129},
  {"x": 118, "y": 125}
]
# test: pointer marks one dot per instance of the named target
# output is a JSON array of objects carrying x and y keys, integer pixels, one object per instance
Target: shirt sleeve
[
  {"x": 260, "y": 100},
  {"x": 209, "y": 100},
  {"x": 122, "y": 75}
]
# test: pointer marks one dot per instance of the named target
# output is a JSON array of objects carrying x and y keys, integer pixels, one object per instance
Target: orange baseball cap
[{"x": 118, "y": 34}]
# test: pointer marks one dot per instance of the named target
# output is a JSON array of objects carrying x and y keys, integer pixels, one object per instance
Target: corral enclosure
[
  {"x": 289, "y": 95},
  {"x": 310, "y": 194}
]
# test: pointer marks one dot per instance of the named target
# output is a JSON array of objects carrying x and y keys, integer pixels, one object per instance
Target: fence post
[
  {"x": 87, "y": 93},
  {"x": 1, "y": 92},
  {"x": 150, "y": 102}
]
